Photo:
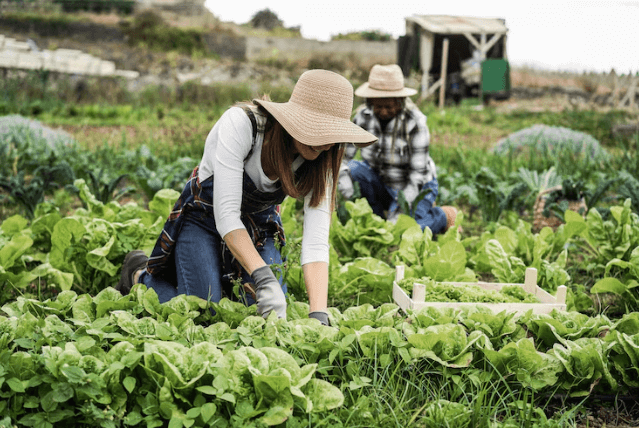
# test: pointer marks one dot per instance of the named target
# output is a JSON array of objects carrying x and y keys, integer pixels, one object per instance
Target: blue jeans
[
  {"x": 198, "y": 262},
  {"x": 384, "y": 198}
]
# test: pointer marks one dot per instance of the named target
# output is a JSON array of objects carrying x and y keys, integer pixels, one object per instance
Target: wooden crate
[{"x": 548, "y": 301}]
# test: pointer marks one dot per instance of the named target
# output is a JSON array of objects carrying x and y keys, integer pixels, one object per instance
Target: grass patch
[
  {"x": 465, "y": 125},
  {"x": 598, "y": 124}
]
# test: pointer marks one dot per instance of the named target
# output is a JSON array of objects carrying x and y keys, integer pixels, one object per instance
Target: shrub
[
  {"x": 97, "y": 6},
  {"x": 266, "y": 19},
  {"x": 150, "y": 30}
]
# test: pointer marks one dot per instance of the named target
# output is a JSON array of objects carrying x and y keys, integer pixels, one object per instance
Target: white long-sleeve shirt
[{"x": 225, "y": 156}]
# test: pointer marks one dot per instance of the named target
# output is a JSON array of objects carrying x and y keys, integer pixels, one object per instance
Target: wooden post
[
  {"x": 424, "y": 86},
  {"x": 505, "y": 47},
  {"x": 442, "y": 89},
  {"x": 486, "y": 45},
  {"x": 530, "y": 280},
  {"x": 615, "y": 88},
  {"x": 629, "y": 98},
  {"x": 426, "y": 43},
  {"x": 419, "y": 292},
  {"x": 482, "y": 57},
  {"x": 482, "y": 43},
  {"x": 562, "y": 290},
  {"x": 399, "y": 273}
]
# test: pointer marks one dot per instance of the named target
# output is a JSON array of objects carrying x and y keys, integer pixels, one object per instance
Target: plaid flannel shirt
[{"x": 400, "y": 156}]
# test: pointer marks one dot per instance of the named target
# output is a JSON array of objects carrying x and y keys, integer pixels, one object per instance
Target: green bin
[{"x": 495, "y": 78}]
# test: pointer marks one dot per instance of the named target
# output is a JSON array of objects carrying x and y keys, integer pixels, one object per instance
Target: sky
[{"x": 562, "y": 35}]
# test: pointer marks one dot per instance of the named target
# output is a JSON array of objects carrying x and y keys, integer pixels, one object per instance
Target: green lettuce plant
[
  {"x": 446, "y": 344},
  {"x": 549, "y": 329},
  {"x": 507, "y": 252},
  {"x": 520, "y": 361},
  {"x": 624, "y": 354},
  {"x": 444, "y": 413},
  {"x": 364, "y": 234},
  {"x": 586, "y": 364},
  {"x": 452, "y": 292},
  {"x": 500, "y": 328},
  {"x": 606, "y": 240},
  {"x": 82, "y": 251},
  {"x": 441, "y": 260},
  {"x": 365, "y": 279}
]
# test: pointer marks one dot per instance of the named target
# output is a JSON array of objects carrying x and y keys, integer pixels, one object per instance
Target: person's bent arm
[
  {"x": 268, "y": 291},
  {"x": 241, "y": 246},
  {"x": 314, "y": 257},
  {"x": 316, "y": 279}
]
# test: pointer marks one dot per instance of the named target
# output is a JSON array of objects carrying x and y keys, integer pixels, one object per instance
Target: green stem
[{"x": 341, "y": 290}]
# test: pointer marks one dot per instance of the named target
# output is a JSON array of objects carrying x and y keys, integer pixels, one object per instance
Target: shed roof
[{"x": 446, "y": 24}]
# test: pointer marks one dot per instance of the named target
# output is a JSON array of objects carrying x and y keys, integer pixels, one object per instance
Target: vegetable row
[{"x": 129, "y": 359}]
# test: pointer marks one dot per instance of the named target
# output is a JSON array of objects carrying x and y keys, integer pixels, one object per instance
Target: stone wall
[
  {"x": 226, "y": 46},
  {"x": 368, "y": 53},
  {"x": 183, "y": 7},
  {"x": 20, "y": 55}
]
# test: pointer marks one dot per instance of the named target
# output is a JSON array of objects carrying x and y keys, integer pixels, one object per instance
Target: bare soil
[{"x": 624, "y": 413}]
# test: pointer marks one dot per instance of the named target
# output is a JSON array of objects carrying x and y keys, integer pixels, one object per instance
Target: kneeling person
[{"x": 399, "y": 161}]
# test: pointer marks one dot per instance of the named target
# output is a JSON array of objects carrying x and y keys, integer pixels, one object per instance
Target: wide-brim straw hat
[
  {"x": 385, "y": 81},
  {"x": 319, "y": 111}
]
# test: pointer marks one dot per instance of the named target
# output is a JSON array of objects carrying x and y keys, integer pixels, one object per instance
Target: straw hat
[
  {"x": 319, "y": 111},
  {"x": 385, "y": 81}
]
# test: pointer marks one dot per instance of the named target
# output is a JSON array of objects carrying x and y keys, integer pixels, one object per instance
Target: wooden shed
[{"x": 441, "y": 45}]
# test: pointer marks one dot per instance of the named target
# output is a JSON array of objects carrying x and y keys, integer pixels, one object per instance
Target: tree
[{"x": 266, "y": 19}]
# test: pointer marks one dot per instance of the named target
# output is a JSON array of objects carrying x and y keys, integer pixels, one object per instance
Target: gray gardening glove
[
  {"x": 345, "y": 185},
  {"x": 268, "y": 292},
  {"x": 320, "y": 316}
]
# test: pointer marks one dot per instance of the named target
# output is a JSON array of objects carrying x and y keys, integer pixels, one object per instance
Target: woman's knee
[{"x": 198, "y": 263}]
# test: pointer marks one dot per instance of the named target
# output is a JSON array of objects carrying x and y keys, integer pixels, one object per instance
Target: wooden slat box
[{"x": 548, "y": 301}]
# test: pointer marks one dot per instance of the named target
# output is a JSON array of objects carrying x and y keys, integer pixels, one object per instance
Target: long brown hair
[
  {"x": 278, "y": 149},
  {"x": 312, "y": 176}
]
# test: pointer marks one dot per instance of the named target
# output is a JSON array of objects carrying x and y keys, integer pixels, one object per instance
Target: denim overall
[
  {"x": 190, "y": 257},
  {"x": 382, "y": 197}
]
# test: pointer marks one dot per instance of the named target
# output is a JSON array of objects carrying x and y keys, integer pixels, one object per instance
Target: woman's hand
[
  {"x": 268, "y": 292},
  {"x": 321, "y": 316}
]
